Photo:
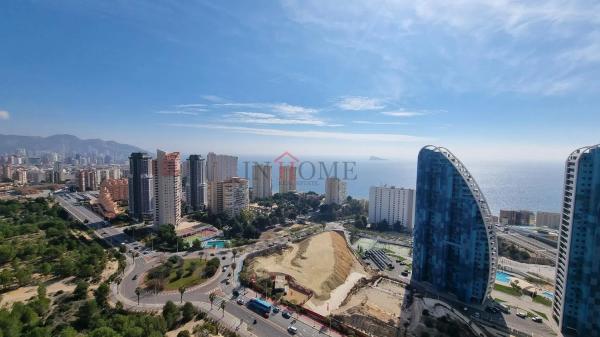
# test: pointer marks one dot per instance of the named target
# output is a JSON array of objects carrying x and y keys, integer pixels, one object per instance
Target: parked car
[
  {"x": 292, "y": 329},
  {"x": 537, "y": 319},
  {"x": 521, "y": 314},
  {"x": 276, "y": 310},
  {"x": 286, "y": 314},
  {"x": 240, "y": 301},
  {"x": 134, "y": 277}
]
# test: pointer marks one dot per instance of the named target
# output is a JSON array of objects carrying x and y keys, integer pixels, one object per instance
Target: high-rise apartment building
[
  {"x": 454, "y": 245},
  {"x": 235, "y": 196},
  {"x": 230, "y": 196},
  {"x": 195, "y": 183},
  {"x": 7, "y": 171},
  {"x": 547, "y": 219},
  {"x": 220, "y": 167},
  {"x": 576, "y": 305},
  {"x": 287, "y": 178},
  {"x": 394, "y": 205},
  {"x": 335, "y": 191},
  {"x": 86, "y": 180},
  {"x": 58, "y": 173},
  {"x": 112, "y": 191},
  {"x": 167, "y": 188},
  {"x": 20, "y": 176},
  {"x": 261, "y": 181},
  {"x": 118, "y": 188},
  {"x": 517, "y": 218},
  {"x": 141, "y": 186}
]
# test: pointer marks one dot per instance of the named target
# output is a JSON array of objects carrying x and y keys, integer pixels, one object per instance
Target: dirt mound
[{"x": 321, "y": 263}]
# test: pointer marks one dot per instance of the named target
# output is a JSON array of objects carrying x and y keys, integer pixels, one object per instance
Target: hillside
[{"x": 65, "y": 144}]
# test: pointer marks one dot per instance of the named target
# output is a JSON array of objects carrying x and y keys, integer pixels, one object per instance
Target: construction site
[{"x": 322, "y": 274}]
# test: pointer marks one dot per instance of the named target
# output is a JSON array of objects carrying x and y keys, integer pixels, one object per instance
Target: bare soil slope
[{"x": 321, "y": 263}]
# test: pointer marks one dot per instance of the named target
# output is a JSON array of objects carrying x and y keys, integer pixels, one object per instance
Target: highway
[{"x": 530, "y": 244}]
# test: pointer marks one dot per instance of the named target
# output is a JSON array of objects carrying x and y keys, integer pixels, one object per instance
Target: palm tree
[
  {"x": 211, "y": 298},
  {"x": 234, "y": 252},
  {"x": 138, "y": 291},
  {"x": 223, "y": 308},
  {"x": 182, "y": 290}
]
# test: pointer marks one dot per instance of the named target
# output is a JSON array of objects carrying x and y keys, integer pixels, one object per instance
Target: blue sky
[{"x": 497, "y": 79}]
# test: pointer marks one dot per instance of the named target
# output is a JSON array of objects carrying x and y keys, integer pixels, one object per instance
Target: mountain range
[{"x": 65, "y": 144}]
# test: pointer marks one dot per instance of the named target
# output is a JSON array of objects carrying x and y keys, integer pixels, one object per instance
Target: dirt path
[{"x": 24, "y": 294}]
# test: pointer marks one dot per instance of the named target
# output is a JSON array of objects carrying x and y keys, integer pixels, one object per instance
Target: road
[
  {"x": 530, "y": 244},
  {"x": 484, "y": 318},
  {"x": 144, "y": 259}
]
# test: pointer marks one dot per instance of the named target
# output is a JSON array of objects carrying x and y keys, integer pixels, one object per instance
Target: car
[
  {"x": 134, "y": 277},
  {"x": 212, "y": 254},
  {"x": 227, "y": 282},
  {"x": 292, "y": 330},
  {"x": 223, "y": 258},
  {"x": 493, "y": 310},
  {"x": 240, "y": 301},
  {"x": 465, "y": 309},
  {"x": 404, "y": 273},
  {"x": 286, "y": 314},
  {"x": 236, "y": 293},
  {"x": 224, "y": 268},
  {"x": 276, "y": 310},
  {"x": 537, "y": 319},
  {"x": 521, "y": 314}
]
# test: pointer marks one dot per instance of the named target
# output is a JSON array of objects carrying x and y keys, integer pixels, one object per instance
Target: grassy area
[
  {"x": 188, "y": 279},
  {"x": 542, "y": 300},
  {"x": 507, "y": 290},
  {"x": 499, "y": 300},
  {"x": 177, "y": 272}
]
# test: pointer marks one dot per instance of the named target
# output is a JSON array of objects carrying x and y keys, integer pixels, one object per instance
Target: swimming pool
[
  {"x": 502, "y": 277},
  {"x": 548, "y": 294},
  {"x": 214, "y": 244}
]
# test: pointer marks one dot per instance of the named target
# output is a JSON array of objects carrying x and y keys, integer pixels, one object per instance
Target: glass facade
[
  {"x": 576, "y": 307},
  {"x": 454, "y": 246}
]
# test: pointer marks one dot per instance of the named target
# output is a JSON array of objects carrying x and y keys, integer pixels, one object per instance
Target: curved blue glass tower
[
  {"x": 576, "y": 307},
  {"x": 454, "y": 246}
]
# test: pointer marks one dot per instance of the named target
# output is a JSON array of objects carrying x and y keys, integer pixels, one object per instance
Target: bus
[{"x": 260, "y": 306}]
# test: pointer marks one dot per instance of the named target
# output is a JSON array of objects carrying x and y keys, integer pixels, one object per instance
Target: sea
[{"x": 535, "y": 186}]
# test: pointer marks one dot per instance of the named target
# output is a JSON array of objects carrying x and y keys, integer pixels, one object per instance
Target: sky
[{"x": 491, "y": 80}]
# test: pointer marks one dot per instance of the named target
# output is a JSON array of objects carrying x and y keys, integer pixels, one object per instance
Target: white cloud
[
  {"x": 213, "y": 98},
  {"x": 356, "y": 103},
  {"x": 402, "y": 113},
  {"x": 192, "y": 106},
  {"x": 4, "y": 114},
  {"x": 265, "y": 118},
  {"x": 378, "y": 123},
  {"x": 177, "y": 112},
  {"x": 536, "y": 40},
  {"x": 360, "y": 137},
  {"x": 288, "y": 109}
]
